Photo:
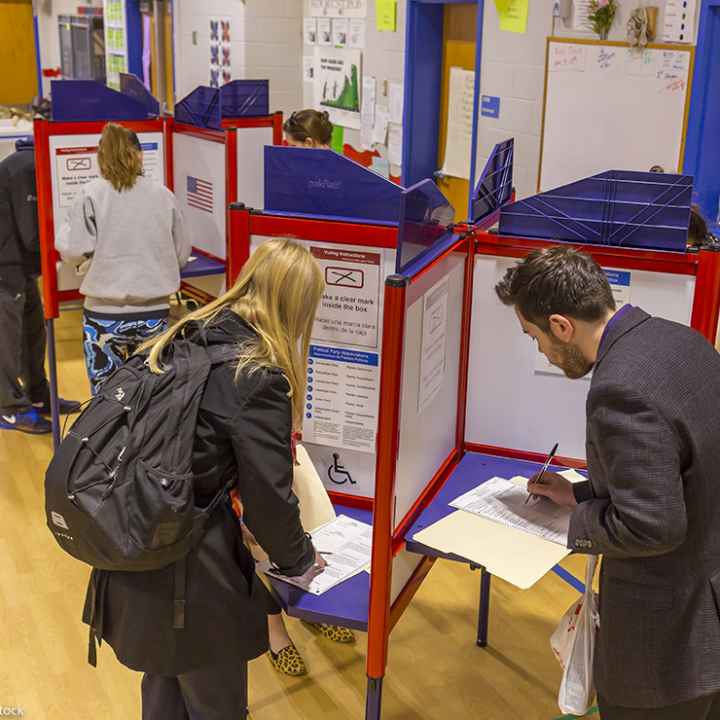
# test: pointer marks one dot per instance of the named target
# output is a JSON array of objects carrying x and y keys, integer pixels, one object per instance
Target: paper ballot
[
  {"x": 346, "y": 545},
  {"x": 503, "y": 501}
]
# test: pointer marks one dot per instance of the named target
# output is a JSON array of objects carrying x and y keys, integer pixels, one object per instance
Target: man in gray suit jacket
[{"x": 652, "y": 503}]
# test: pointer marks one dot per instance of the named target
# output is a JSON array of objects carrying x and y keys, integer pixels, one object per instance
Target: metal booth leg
[
  {"x": 373, "y": 704},
  {"x": 484, "y": 611},
  {"x": 54, "y": 401}
]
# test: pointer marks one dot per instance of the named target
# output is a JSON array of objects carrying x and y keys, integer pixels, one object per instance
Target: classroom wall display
[
  {"x": 116, "y": 49},
  {"x": 338, "y": 8},
  {"x": 337, "y": 79},
  {"x": 607, "y": 106},
  {"x": 73, "y": 162},
  {"x": 220, "y": 51}
]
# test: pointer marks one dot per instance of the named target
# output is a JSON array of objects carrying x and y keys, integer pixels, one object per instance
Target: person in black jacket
[
  {"x": 24, "y": 392},
  {"x": 245, "y": 423}
]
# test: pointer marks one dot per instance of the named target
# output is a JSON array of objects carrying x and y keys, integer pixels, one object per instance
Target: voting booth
[
  {"x": 201, "y": 163},
  {"x": 459, "y": 381},
  {"x": 216, "y": 139}
]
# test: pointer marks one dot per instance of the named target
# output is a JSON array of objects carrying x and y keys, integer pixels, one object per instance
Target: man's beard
[{"x": 571, "y": 361}]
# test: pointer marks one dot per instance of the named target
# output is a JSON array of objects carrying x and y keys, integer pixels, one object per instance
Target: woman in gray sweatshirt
[{"x": 129, "y": 232}]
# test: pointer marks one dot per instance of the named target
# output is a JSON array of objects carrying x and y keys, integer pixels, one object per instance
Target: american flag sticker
[{"x": 199, "y": 194}]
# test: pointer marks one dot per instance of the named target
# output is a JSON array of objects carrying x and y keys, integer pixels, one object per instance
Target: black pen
[{"x": 544, "y": 468}]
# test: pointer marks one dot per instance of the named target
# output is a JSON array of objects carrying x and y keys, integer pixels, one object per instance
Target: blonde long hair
[
  {"x": 276, "y": 294},
  {"x": 120, "y": 156}
]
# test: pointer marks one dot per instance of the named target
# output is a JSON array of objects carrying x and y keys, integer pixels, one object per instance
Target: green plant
[{"x": 602, "y": 16}]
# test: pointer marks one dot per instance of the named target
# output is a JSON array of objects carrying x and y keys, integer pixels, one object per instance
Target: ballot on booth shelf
[
  {"x": 346, "y": 546},
  {"x": 494, "y": 528}
]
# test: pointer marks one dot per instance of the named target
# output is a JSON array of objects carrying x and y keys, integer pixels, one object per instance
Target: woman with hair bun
[
  {"x": 309, "y": 128},
  {"x": 125, "y": 231}
]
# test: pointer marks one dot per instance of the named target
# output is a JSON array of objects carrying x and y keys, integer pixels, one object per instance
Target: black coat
[
  {"x": 19, "y": 236},
  {"x": 652, "y": 509},
  {"x": 244, "y": 430}
]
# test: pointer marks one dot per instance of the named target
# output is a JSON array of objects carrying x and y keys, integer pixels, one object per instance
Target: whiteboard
[
  {"x": 511, "y": 404},
  {"x": 610, "y": 108}
]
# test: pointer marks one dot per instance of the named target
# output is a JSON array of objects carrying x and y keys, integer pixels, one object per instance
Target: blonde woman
[
  {"x": 127, "y": 231},
  {"x": 249, "y": 407}
]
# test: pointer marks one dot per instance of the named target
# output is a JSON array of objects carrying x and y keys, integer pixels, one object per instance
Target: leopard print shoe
[
  {"x": 337, "y": 634},
  {"x": 288, "y": 661}
]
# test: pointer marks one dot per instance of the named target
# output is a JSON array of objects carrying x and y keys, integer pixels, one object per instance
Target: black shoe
[{"x": 67, "y": 407}]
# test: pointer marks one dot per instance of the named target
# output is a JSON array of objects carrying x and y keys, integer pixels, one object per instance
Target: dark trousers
[
  {"x": 706, "y": 707},
  {"x": 22, "y": 344},
  {"x": 216, "y": 693}
]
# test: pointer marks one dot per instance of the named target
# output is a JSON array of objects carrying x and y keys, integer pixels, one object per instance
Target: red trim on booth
[
  {"x": 90, "y": 127},
  {"x": 205, "y": 253},
  {"x": 217, "y": 136},
  {"x": 388, "y": 439},
  {"x": 231, "y": 182},
  {"x": 249, "y": 122},
  {"x": 333, "y": 231},
  {"x": 524, "y": 455},
  {"x": 278, "y": 128},
  {"x": 169, "y": 130},
  {"x": 69, "y": 296},
  {"x": 706, "y": 303},
  {"x": 466, "y": 324},
  {"x": 624, "y": 258},
  {"x": 408, "y": 592},
  {"x": 352, "y": 501},
  {"x": 48, "y": 255},
  {"x": 425, "y": 498},
  {"x": 238, "y": 243}
]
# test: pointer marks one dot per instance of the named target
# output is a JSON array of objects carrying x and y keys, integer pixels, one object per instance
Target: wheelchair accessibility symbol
[{"x": 337, "y": 472}]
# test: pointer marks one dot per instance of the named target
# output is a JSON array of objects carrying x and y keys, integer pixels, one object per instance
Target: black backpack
[{"x": 119, "y": 491}]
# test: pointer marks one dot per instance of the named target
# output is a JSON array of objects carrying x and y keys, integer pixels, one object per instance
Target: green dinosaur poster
[{"x": 337, "y": 84}]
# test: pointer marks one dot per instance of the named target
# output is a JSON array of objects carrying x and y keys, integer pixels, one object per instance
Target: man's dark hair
[{"x": 560, "y": 280}]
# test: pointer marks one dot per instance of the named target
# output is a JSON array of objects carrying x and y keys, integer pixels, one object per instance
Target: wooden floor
[{"x": 435, "y": 669}]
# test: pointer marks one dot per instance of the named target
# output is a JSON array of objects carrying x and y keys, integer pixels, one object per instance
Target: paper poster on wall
[
  {"x": 357, "y": 34},
  {"x": 679, "y": 22},
  {"x": 338, "y": 8},
  {"x": 340, "y": 31},
  {"x": 620, "y": 283},
  {"x": 337, "y": 85},
  {"x": 514, "y": 17},
  {"x": 380, "y": 129},
  {"x": 397, "y": 99},
  {"x": 386, "y": 15},
  {"x": 581, "y": 11},
  {"x": 308, "y": 68},
  {"x": 395, "y": 142},
  {"x": 77, "y": 166},
  {"x": 369, "y": 90},
  {"x": 461, "y": 103},
  {"x": 434, "y": 343},
  {"x": 324, "y": 29},
  {"x": 341, "y": 403},
  {"x": 310, "y": 31},
  {"x": 220, "y": 51}
]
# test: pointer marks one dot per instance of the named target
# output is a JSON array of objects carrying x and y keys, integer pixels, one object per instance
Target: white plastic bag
[{"x": 573, "y": 643}]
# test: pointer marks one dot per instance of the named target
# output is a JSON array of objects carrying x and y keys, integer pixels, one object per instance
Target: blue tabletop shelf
[
  {"x": 202, "y": 266},
  {"x": 346, "y": 604}
]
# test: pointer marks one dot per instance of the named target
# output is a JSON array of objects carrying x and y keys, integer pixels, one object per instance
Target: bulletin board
[{"x": 609, "y": 106}]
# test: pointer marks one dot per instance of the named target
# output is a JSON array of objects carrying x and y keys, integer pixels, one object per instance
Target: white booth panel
[
  {"x": 513, "y": 404},
  {"x": 199, "y": 178},
  {"x": 431, "y": 368},
  {"x": 251, "y": 144}
]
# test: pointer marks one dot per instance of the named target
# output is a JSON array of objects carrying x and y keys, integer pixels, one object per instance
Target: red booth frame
[{"x": 45, "y": 129}]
